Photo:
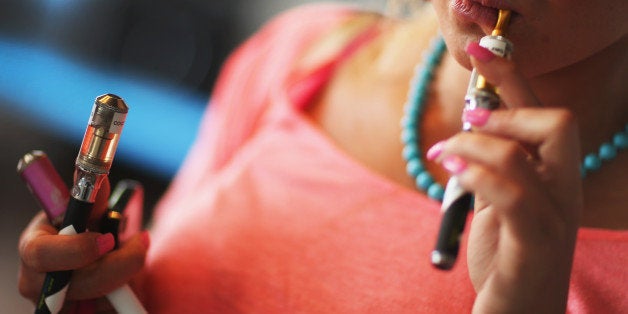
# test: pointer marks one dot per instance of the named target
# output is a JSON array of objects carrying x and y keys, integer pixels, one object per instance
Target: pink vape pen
[{"x": 45, "y": 183}]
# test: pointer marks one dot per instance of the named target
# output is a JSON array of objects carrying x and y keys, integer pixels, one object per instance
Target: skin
[{"x": 527, "y": 214}]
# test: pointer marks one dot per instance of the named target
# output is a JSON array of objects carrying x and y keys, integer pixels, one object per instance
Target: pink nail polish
[
  {"x": 454, "y": 164},
  {"x": 105, "y": 243},
  {"x": 479, "y": 52},
  {"x": 477, "y": 116},
  {"x": 435, "y": 150}
]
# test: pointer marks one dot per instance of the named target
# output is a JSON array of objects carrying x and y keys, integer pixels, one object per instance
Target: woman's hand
[
  {"x": 97, "y": 269},
  {"x": 522, "y": 163}
]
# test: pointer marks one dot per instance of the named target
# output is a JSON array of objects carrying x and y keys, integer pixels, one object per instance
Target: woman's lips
[{"x": 480, "y": 12}]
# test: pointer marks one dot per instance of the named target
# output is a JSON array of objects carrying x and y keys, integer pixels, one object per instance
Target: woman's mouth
[{"x": 480, "y": 12}]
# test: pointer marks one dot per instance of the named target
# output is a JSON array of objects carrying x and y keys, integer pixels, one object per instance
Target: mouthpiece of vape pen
[
  {"x": 503, "y": 18},
  {"x": 498, "y": 45},
  {"x": 481, "y": 94}
]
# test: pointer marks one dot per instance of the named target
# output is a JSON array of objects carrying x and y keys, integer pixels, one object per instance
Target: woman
[{"x": 295, "y": 197}]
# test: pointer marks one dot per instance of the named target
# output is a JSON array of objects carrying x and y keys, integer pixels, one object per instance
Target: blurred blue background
[
  {"x": 162, "y": 119},
  {"x": 57, "y": 56},
  {"x": 162, "y": 57}
]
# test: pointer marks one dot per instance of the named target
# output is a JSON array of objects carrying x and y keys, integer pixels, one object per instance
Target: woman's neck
[{"x": 594, "y": 89}]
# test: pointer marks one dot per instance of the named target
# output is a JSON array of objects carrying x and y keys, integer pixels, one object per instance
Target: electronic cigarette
[
  {"x": 123, "y": 217},
  {"x": 91, "y": 167},
  {"x": 457, "y": 201},
  {"x": 45, "y": 184}
]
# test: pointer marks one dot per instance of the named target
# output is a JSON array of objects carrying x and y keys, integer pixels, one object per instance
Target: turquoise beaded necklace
[{"x": 413, "y": 110}]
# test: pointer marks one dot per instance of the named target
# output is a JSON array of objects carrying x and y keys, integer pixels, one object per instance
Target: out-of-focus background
[{"x": 57, "y": 56}]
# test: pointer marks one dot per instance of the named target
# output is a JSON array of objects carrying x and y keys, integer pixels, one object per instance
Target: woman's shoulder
[
  {"x": 422, "y": 24},
  {"x": 312, "y": 32},
  {"x": 307, "y": 36},
  {"x": 285, "y": 39},
  {"x": 330, "y": 43}
]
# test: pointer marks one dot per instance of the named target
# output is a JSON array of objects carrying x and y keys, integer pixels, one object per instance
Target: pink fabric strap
[{"x": 305, "y": 88}]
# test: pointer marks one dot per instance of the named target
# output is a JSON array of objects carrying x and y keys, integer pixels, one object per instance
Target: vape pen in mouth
[{"x": 456, "y": 201}]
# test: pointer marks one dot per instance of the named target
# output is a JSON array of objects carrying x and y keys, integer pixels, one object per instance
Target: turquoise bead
[
  {"x": 621, "y": 140},
  {"x": 607, "y": 151},
  {"x": 592, "y": 162},
  {"x": 414, "y": 167},
  {"x": 407, "y": 123},
  {"x": 421, "y": 88},
  {"x": 424, "y": 180},
  {"x": 408, "y": 136},
  {"x": 411, "y": 111},
  {"x": 417, "y": 109},
  {"x": 411, "y": 148},
  {"x": 410, "y": 152},
  {"x": 436, "y": 192},
  {"x": 426, "y": 76}
]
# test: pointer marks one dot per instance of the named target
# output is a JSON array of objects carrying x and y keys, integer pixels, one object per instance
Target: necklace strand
[{"x": 413, "y": 111}]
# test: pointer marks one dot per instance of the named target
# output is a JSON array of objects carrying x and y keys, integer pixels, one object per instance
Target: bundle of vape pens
[{"x": 70, "y": 209}]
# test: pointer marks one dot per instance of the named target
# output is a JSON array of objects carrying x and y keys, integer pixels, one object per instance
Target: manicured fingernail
[
  {"x": 479, "y": 52},
  {"x": 145, "y": 239},
  {"x": 435, "y": 150},
  {"x": 105, "y": 243},
  {"x": 477, "y": 116},
  {"x": 454, "y": 164}
]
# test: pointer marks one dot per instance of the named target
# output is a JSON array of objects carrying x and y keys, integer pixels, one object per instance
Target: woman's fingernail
[
  {"x": 477, "y": 116},
  {"x": 479, "y": 52},
  {"x": 105, "y": 243},
  {"x": 435, "y": 150},
  {"x": 454, "y": 164},
  {"x": 145, "y": 239}
]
